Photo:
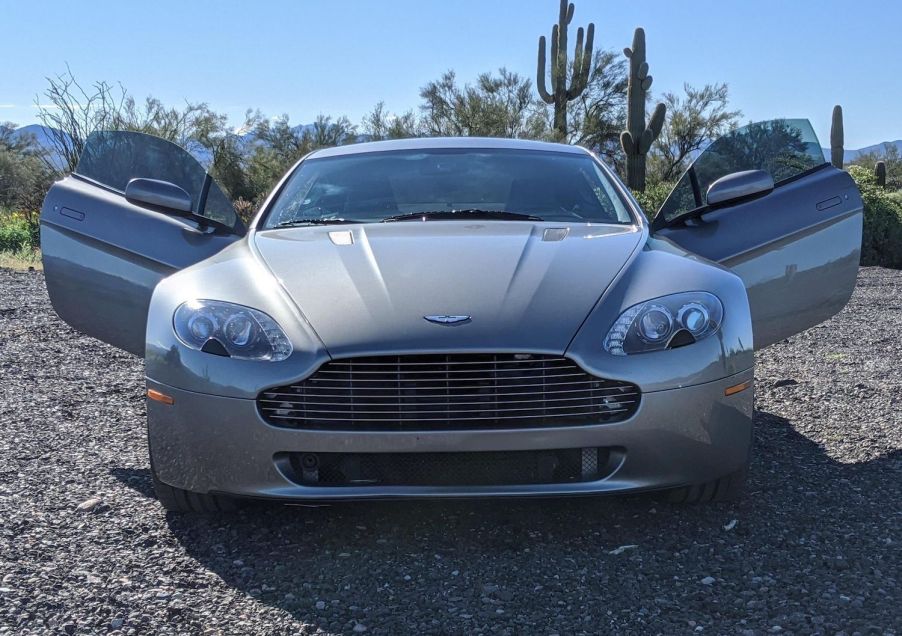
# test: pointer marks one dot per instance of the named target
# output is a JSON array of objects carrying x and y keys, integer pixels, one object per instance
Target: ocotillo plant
[
  {"x": 638, "y": 138},
  {"x": 582, "y": 65},
  {"x": 880, "y": 173},
  {"x": 836, "y": 138}
]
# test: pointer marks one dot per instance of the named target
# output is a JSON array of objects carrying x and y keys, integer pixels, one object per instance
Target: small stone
[
  {"x": 320, "y": 605},
  {"x": 88, "y": 504},
  {"x": 359, "y": 628},
  {"x": 116, "y": 623},
  {"x": 622, "y": 549},
  {"x": 708, "y": 580}
]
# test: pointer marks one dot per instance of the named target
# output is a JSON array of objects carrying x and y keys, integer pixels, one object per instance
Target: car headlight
[
  {"x": 232, "y": 330},
  {"x": 665, "y": 323}
]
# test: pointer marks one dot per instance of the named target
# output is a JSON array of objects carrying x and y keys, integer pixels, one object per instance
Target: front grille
[
  {"x": 457, "y": 391},
  {"x": 482, "y": 468}
]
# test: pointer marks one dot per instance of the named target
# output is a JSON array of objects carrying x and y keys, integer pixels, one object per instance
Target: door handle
[{"x": 826, "y": 204}]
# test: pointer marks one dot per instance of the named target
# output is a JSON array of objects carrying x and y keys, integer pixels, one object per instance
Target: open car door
[
  {"x": 136, "y": 209},
  {"x": 762, "y": 201}
]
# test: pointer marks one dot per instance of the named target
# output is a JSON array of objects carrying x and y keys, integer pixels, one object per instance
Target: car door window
[
  {"x": 785, "y": 148},
  {"x": 113, "y": 158}
]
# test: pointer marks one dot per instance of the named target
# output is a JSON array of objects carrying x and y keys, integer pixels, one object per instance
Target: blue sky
[{"x": 792, "y": 58}]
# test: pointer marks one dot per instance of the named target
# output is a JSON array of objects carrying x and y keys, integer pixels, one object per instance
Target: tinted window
[
  {"x": 783, "y": 147},
  {"x": 113, "y": 158},
  {"x": 371, "y": 186}
]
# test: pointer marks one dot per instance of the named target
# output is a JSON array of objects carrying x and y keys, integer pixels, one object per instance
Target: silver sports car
[{"x": 450, "y": 317}]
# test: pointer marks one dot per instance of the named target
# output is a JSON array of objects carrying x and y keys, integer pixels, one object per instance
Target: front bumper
[{"x": 690, "y": 435}]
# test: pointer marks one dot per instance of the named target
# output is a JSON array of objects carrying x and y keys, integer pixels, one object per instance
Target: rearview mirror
[
  {"x": 161, "y": 194},
  {"x": 738, "y": 186}
]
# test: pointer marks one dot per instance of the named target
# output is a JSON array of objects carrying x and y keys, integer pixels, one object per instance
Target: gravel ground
[{"x": 814, "y": 547}]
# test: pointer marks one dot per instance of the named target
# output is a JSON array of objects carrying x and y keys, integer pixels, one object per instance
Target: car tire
[
  {"x": 178, "y": 500},
  {"x": 726, "y": 488}
]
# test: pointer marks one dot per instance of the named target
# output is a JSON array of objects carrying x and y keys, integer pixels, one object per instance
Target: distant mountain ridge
[
  {"x": 42, "y": 137},
  {"x": 852, "y": 155}
]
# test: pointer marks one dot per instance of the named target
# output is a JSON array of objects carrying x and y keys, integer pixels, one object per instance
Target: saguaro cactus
[
  {"x": 582, "y": 65},
  {"x": 880, "y": 173},
  {"x": 836, "y": 138},
  {"x": 638, "y": 138}
]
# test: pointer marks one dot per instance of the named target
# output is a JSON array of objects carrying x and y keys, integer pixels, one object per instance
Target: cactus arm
[
  {"x": 626, "y": 142},
  {"x": 656, "y": 125},
  {"x": 654, "y": 129},
  {"x": 582, "y": 64},
  {"x": 568, "y": 17},
  {"x": 540, "y": 76}
]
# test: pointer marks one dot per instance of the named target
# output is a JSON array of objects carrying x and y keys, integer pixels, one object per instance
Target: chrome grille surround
[{"x": 448, "y": 391}]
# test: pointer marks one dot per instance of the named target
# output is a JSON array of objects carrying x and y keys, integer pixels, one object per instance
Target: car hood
[{"x": 526, "y": 287}]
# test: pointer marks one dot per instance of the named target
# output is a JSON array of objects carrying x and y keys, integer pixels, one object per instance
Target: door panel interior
[
  {"x": 797, "y": 248},
  {"x": 103, "y": 256}
]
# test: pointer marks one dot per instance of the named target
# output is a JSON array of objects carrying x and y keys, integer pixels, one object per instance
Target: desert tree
[
  {"x": 24, "y": 177},
  {"x": 598, "y": 114},
  {"x": 496, "y": 105},
  {"x": 696, "y": 118},
  {"x": 379, "y": 124},
  {"x": 71, "y": 111}
]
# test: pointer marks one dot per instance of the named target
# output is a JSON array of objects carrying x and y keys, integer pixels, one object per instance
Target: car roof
[{"x": 434, "y": 143}]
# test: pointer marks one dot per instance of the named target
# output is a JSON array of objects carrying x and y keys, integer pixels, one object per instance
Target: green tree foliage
[
  {"x": 379, "y": 124},
  {"x": 652, "y": 198},
  {"x": 24, "y": 176},
  {"x": 277, "y": 145},
  {"x": 889, "y": 155},
  {"x": 882, "y": 240},
  {"x": 598, "y": 114},
  {"x": 696, "y": 118},
  {"x": 499, "y": 105}
]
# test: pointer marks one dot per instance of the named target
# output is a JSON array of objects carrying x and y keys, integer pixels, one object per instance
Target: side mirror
[
  {"x": 738, "y": 186},
  {"x": 161, "y": 194}
]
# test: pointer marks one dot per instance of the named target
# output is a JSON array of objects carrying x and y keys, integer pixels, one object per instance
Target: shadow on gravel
[{"x": 398, "y": 565}]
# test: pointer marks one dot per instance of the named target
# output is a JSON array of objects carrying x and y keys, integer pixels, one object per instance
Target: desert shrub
[
  {"x": 882, "y": 240},
  {"x": 17, "y": 233},
  {"x": 654, "y": 196}
]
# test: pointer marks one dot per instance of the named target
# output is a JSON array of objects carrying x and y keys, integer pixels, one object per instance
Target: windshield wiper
[
  {"x": 468, "y": 213},
  {"x": 296, "y": 222}
]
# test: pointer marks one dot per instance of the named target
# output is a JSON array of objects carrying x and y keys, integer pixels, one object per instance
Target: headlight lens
[
  {"x": 242, "y": 332},
  {"x": 665, "y": 322}
]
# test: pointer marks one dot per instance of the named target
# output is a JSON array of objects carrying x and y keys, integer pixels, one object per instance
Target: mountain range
[{"x": 42, "y": 137}]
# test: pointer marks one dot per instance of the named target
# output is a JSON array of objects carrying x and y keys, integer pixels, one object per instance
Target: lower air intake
[{"x": 483, "y": 468}]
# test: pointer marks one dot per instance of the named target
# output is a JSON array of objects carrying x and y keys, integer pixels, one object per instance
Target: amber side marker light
[
  {"x": 737, "y": 388},
  {"x": 160, "y": 397}
]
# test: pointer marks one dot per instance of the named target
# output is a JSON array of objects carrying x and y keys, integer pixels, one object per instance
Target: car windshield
[{"x": 449, "y": 184}]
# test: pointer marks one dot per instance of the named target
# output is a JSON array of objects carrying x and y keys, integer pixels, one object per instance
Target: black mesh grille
[
  {"x": 460, "y": 391},
  {"x": 484, "y": 468}
]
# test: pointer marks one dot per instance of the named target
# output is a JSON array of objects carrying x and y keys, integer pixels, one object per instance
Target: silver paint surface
[{"x": 364, "y": 290}]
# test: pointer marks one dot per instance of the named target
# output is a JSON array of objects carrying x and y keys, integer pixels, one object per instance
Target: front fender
[
  {"x": 234, "y": 275},
  {"x": 660, "y": 269}
]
